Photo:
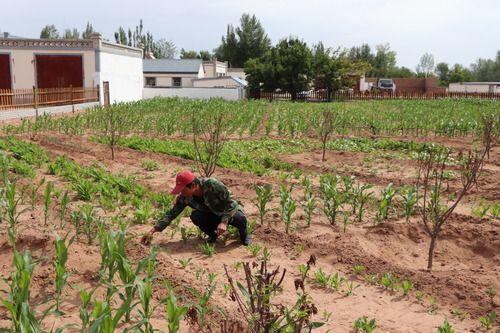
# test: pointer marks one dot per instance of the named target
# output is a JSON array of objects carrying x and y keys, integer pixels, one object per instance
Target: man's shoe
[{"x": 247, "y": 241}]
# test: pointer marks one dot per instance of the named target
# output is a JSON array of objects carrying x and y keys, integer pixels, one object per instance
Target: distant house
[
  {"x": 237, "y": 72},
  {"x": 215, "y": 68},
  {"x": 61, "y": 63},
  {"x": 172, "y": 72},
  {"x": 475, "y": 87}
]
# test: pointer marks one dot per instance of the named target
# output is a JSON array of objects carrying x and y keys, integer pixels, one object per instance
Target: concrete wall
[
  {"x": 124, "y": 73},
  {"x": 225, "y": 82},
  {"x": 195, "y": 93},
  {"x": 473, "y": 88},
  {"x": 409, "y": 85},
  {"x": 23, "y": 66}
]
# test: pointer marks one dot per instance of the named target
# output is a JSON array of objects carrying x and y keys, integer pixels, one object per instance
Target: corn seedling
[
  {"x": 87, "y": 220},
  {"x": 254, "y": 249},
  {"x": 264, "y": 195},
  {"x": 288, "y": 205},
  {"x": 321, "y": 277},
  {"x": 335, "y": 281},
  {"x": 63, "y": 209},
  {"x": 112, "y": 248},
  {"x": 10, "y": 201},
  {"x": 175, "y": 313},
  {"x": 266, "y": 254},
  {"x": 433, "y": 304},
  {"x": 85, "y": 190},
  {"x": 445, "y": 328},
  {"x": 389, "y": 282},
  {"x": 358, "y": 269},
  {"x": 185, "y": 262},
  {"x": 84, "y": 310},
  {"x": 406, "y": 287},
  {"x": 60, "y": 260},
  {"x": 198, "y": 311},
  {"x": 360, "y": 199},
  {"x": 46, "y": 200},
  {"x": 385, "y": 204},
  {"x": 350, "y": 288},
  {"x": 309, "y": 205},
  {"x": 22, "y": 317},
  {"x": 207, "y": 249},
  {"x": 332, "y": 198},
  {"x": 372, "y": 278},
  {"x": 150, "y": 165},
  {"x": 345, "y": 221},
  {"x": 409, "y": 198},
  {"x": 419, "y": 295},
  {"x": 362, "y": 324},
  {"x": 480, "y": 210},
  {"x": 488, "y": 320}
]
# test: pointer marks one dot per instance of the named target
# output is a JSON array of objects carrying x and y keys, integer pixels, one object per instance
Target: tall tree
[
  {"x": 185, "y": 54},
  {"x": 443, "y": 72},
  {"x": 71, "y": 34},
  {"x": 459, "y": 73},
  {"x": 485, "y": 70},
  {"x": 288, "y": 66},
  {"x": 89, "y": 30},
  {"x": 384, "y": 61},
  {"x": 362, "y": 53},
  {"x": 164, "y": 49},
  {"x": 334, "y": 69},
  {"x": 247, "y": 41},
  {"x": 403, "y": 71},
  {"x": 49, "y": 32},
  {"x": 425, "y": 67}
]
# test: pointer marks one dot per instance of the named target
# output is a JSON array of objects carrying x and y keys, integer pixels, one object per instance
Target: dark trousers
[{"x": 208, "y": 222}]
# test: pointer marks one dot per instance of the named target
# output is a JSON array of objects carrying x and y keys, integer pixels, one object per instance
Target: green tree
[
  {"x": 163, "y": 49},
  {"x": 71, "y": 34},
  {"x": 49, "y": 32},
  {"x": 425, "y": 67},
  {"x": 443, "y": 72},
  {"x": 185, "y": 54},
  {"x": 460, "y": 73},
  {"x": 288, "y": 66},
  {"x": 485, "y": 70},
  {"x": 384, "y": 61},
  {"x": 332, "y": 69},
  {"x": 403, "y": 71},
  {"x": 362, "y": 53},
  {"x": 89, "y": 30},
  {"x": 243, "y": 43}
]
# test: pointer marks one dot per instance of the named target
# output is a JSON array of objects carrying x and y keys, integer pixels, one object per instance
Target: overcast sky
[{"x": 454, "y": 31}]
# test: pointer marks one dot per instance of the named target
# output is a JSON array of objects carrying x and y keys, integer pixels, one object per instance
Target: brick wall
[{"x": 429, "y": 84}]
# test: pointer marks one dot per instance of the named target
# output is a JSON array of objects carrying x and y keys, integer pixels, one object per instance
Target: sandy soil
[{"x": 467, "y": 260}]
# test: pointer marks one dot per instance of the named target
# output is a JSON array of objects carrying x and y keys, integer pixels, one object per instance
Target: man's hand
[
  {"x": 146, "y": 239},
  {"x": 221, "y": 228}
]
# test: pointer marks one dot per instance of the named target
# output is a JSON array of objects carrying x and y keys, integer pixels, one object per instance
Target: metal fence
[
  {"x": 324, "y": 96},
  {"x": 39, "y": 98}
]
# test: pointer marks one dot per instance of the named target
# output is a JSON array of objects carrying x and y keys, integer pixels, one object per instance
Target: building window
[
  {"x": 150, "y": 82},
  {"x": 177, "y": 82}
]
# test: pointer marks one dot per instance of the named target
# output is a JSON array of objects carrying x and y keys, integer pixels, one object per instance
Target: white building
[
  {"x": 61, "y": 63},
  {"x": 475, "y": 87},
  {"x": 172, "y": 72}
]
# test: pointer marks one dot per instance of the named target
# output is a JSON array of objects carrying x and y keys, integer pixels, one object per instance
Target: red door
[
  {"x": 5, "y": 78},
  {"x": 59, "y": 71}
]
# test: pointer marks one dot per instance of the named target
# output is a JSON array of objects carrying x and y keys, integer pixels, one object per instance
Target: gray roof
[{"x": 171, "y": 65}]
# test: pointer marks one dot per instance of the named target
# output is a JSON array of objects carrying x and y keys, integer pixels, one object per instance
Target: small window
[
  {"x": 150, "y": 82},
  {"x": 177, "y": 82}
]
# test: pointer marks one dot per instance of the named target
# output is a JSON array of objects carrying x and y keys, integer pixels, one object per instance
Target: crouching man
[{"x": 213, "y": 208}]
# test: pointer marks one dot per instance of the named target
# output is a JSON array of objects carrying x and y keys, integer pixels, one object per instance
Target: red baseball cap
[{"x": 183, "y": 178}]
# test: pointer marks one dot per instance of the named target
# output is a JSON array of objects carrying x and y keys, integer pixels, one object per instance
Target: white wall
[
  {"x": 165, "y": 80},
  {"x": 195, "y": 93},
  {"x": 124, "y": 74},
  {"x": 225, "y": 81},
  {"x": 473, "y": 88}
]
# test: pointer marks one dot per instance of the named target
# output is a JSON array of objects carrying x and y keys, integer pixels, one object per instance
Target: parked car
[{"x": 384, "y": 85}]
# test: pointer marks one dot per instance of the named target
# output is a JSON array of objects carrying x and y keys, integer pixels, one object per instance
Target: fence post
[
  {"x": 71, "y": 96},
  {"x": 98, "y": 94},
  {"x": 35, "y": 102}
]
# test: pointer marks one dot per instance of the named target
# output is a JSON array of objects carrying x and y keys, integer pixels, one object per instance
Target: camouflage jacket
[{"x": 216, "y": 199}]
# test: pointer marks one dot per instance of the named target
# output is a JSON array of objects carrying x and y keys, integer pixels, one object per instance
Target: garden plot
[{"x": 370, "y": 264}]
